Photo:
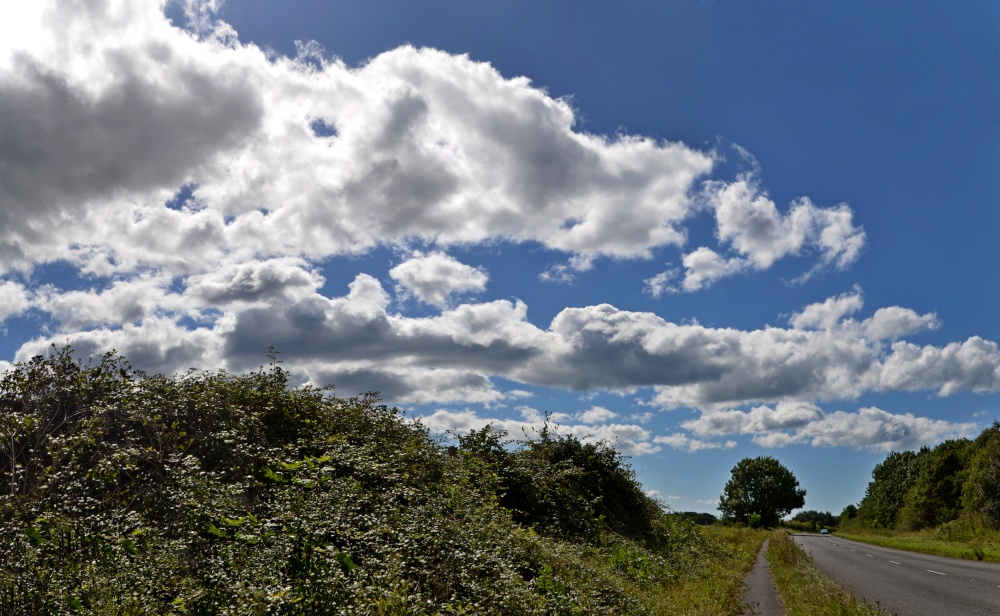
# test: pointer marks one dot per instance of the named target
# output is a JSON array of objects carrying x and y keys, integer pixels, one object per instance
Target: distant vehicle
[{"x": 824, "y": 532}]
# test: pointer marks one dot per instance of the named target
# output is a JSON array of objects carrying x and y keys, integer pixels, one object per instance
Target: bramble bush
[{"x": 212, "y": 493}]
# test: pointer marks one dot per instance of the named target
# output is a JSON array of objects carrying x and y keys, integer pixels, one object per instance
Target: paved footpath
[{"x": 762, "y": 598}]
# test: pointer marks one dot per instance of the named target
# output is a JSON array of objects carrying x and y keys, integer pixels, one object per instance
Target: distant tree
[
  {"x": 817, "y": 519},
  {"x": 849, "y": 513},
  {"x": 760, "y": 492},
  {"x": 699, "y": 518}
]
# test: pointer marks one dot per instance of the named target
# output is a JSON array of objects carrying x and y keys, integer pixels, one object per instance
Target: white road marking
[
  {"x": 934, "y": 572},
  {"x": 893, "y": 562},
  {"x": 869, "y": 556}
]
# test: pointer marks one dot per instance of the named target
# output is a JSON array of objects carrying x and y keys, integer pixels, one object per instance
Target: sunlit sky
[{"x": 700, "y": 230}]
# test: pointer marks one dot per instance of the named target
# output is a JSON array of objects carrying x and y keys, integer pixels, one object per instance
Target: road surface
[{"x": 907, "y": 583}]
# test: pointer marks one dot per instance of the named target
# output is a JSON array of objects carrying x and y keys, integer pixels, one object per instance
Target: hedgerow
[{"x": 214, "y": 493}]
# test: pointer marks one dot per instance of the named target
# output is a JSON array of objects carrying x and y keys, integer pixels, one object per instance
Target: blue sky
[{"x": 701, "y": 230}]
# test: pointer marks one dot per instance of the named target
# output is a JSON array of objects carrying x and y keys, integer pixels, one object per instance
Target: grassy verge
[
  {"x": 803, "y": 588},
  {"x": 715, "y": 587},
  {"x": 984, "y": 545}
]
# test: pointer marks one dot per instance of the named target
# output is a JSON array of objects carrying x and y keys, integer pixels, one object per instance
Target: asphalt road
[{"x": 907, "y": 583}]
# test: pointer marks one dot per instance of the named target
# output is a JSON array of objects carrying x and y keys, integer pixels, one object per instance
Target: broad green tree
[
  {"x": 760, "y": 492},
  {"x": 891, "y": 480},
  {"x": 936, "y": 495},
  {"x": 981, "y": 492}
]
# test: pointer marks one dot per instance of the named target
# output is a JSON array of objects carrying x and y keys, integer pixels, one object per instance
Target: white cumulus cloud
[
  {"x": 433, "y": 278},
  {"x": 197, "y": 187},
  {"x": 684, "y": 442},
  {"x": 597, "y": 414},
  {"x": 795, "y": 422},
  {"x": 870, "y": 428}
]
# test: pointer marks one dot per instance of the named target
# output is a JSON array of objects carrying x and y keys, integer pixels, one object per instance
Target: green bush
[
  {"x": 212, "y": 493},
  {"x": 564, "y": 487}
]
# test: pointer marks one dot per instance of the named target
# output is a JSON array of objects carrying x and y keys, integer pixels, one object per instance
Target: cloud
[
  {"x": 895, "y": 322},
  {"x": 750, "y": 228},
  {"x": 399, "y": 384},
  {"x": 751, "y": 223},
  {"x": 973, "y": 365},
  {"x": 252, "y": 282},
  {"x": 416, "y": 145},
  {"x": 197, "y": 186},
  {"x": 631, "y": 440},
  {"x": 83, "y": 103},
  {"x": 759, "y": 419},
  {"x": 686, "y": 443},
  {"x": 434, "y": 277},
  {"x": 826, "y": 314},
  {"x": 455, "y": 354},
  {"x": 871, "y": 428},
  {"x": 156, "y": 344},
  {"x": 14, "y": 299},
  {"x": 704, "y": 266},
  {"x": 201, "y": 13},
  {"x": 597, "y": 414},
  {"x": 122, "y": 302},
  {"x": 354, "y": 342},
  {"x": 790, "y": 423},
  {"x": 660, "y": 283}
]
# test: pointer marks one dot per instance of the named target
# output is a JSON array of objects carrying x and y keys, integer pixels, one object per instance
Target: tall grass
[
  {"x": 804, "y": 590},
  {"x": 715, "y": 587}
]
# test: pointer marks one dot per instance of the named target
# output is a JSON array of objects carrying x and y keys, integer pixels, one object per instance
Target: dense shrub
[
  {"x": 562, "y": 486},
  {"x": 698, "y": 517},
  {"x": 212, "y": 493}
]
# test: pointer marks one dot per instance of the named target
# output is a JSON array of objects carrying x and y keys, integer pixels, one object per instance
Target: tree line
[{"x": 934, "y": 486}]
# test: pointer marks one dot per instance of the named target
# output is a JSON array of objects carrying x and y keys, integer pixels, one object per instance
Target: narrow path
[{"x": 762, "y": 598}]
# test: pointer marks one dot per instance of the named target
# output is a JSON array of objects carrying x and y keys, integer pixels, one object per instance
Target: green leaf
[
  {"x": 34, "y": 535},
  {"x": 273, "y": 476},
  {"x": 216, "y": 532},
  {"x": 129, "y": 546},
  {"x": 346, "y": 564}
]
